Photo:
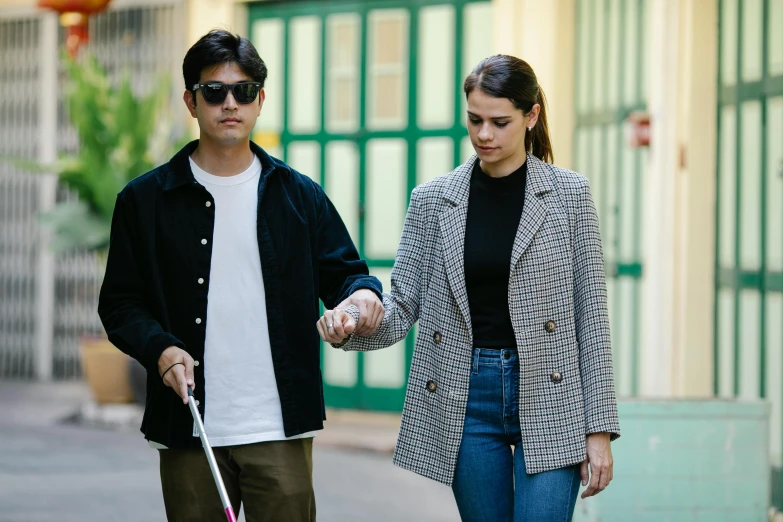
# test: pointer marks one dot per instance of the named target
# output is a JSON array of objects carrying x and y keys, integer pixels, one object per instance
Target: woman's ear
[{"x": 532, "y": 116}]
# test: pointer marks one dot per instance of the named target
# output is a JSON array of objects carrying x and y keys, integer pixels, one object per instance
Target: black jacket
[{"x": 160, "y": 251}]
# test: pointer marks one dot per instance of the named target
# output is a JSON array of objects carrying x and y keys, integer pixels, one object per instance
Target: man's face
[{"x": 228, "y": 122}]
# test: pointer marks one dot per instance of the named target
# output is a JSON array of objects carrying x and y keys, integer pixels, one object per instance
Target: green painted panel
[
  {"x": 320, "y": 147},
  {"x": 747, "y": 249},
  {"x": 605, "y": 95}
]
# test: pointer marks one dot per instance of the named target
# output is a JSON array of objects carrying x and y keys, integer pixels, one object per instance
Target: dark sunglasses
[{"x": 215, "y": 93}]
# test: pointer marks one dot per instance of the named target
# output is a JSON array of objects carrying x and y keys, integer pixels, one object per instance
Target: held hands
[
  {"x": 599, "y": 456},
  {"x": 335, "y": 326},
  {"x": 175, "y": 367},
  {"x": 371, "y": 311}
]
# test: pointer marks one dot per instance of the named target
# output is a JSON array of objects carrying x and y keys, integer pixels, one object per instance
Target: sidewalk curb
[
  {"x": 357, "y": 430},
  {"x": 352, "y": 430},
  {"x": 109, "y": 416}
]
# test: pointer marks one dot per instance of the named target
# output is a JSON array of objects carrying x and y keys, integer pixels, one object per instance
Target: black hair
[{"x": 218, "y": 47}]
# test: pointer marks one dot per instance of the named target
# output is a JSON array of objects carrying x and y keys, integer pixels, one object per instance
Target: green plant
[{"x": 121, "y": 136}]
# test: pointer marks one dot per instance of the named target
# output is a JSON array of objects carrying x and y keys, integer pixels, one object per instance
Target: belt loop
[{"x": 476, "y": 353}]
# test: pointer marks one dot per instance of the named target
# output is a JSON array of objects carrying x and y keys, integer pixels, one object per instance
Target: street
[{"x": 55, "y": 470}]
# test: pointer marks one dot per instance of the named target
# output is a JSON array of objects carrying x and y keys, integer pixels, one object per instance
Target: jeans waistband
[{"x": 495, "y": 357}]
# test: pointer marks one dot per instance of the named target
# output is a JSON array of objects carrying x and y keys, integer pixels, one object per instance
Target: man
[{"x": 216, "y": 265}]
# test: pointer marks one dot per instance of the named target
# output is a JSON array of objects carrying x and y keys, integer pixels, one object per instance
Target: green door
[
  {"x": 365, "y": 98},
  {"x": 611, "y": 48},
  {"x": 749, "y": 212}
]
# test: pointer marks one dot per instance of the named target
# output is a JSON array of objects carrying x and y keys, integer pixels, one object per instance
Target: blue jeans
[{"x": 490, "y": 482}]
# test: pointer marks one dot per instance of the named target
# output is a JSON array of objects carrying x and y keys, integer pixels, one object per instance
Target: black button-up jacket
[{"x": 154, "y": 294}]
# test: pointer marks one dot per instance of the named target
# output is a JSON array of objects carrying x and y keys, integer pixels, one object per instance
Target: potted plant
[{"x": 121, "y": 136}]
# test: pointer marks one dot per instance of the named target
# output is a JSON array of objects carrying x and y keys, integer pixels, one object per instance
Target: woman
[{"x": 500, "y": 262}]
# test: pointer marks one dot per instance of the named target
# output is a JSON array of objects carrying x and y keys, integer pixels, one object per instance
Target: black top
[
  {"x": 157, "y": 282},
  {"x": 494, "y": 210}
]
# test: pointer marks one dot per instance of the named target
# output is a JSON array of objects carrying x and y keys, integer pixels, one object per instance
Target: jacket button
[
  {"x": 432, "y": 386},
  {"x": 198, "y": 403},
  {"x": 203, "y": 241},
  {"x": 507, "y": 355},
  {"x": 201, "y": 280},
  {"x": 550, "y": 326},
  {"x": 209, "y": 204},
  {"x": 196, "y": 363},
  {"x": 198, "y": 320},
  {"x": 437, "y": 337},
  {"x": 556, "y": 377}
]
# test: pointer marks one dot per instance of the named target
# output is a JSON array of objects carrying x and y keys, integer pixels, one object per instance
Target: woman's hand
[
  {"x": 599, "y": 456},
  {"x": 335, "y": 326}
]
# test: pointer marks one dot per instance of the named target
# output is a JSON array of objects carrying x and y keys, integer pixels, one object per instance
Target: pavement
[
  {"x": 65, "y": 459},
  {"x": 71, "y": 402}
]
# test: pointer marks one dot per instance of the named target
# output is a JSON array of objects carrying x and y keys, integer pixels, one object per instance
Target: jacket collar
[
  {"x": 539, "y": 180},
  {"x": 178, "y": 172}
]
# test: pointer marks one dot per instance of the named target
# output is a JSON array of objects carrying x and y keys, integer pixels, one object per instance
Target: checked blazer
[{"x": 557, "y": 300}]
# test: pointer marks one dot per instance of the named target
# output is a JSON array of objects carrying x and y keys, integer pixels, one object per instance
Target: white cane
[{"x": 210, "y": 457}]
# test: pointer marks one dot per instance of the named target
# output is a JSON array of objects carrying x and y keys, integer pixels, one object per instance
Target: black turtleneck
[{"x": 494, "y": 211}]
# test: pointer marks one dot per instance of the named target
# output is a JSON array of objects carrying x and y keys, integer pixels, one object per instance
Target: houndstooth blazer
[{"x": 557, "y": 299}]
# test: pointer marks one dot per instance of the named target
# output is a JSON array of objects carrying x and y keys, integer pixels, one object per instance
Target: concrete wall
[{"x": 686, "y": 461}]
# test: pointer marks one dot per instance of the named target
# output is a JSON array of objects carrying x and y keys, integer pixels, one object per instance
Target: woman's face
[{"x": 497, "y": 132}]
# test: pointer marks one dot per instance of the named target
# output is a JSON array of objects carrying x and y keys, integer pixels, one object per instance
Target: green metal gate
[
  {"x": 365, "y": 98},
  {"x": 749, "y": 212},
  {"x": 611, "y": 80}
]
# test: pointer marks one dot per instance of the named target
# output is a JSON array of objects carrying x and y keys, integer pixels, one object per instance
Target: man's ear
[
  {"x": 261, "y": 98},
  {"x": 190, "y": 101}
]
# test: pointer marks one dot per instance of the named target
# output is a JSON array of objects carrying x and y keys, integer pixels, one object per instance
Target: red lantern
[{"x": 74, "y": 15}]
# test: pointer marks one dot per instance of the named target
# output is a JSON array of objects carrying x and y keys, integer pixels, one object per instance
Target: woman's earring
[{"x": 529, "y": 129}]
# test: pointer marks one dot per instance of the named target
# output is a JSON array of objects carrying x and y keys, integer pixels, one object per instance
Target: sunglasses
[{"x": 215, "y": 93}]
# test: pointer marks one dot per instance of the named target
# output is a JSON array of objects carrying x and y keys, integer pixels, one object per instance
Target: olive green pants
[{"x": 273, "y": 481}]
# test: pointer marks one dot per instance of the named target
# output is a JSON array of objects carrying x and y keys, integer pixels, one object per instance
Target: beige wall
[
  {"x": 12, "y": 3},
  {"x": 205, "y": 15},
  {"x": 541, "y": 32}
]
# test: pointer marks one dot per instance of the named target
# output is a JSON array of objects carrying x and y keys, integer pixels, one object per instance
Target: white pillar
[
  {"x": 660, "y": 203},
  {"x": 47, "y": 154},
  {"x": 695, "y": 286}
]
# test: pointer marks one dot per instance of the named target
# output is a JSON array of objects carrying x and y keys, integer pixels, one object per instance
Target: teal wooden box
[{"x": 687, "y": 460}]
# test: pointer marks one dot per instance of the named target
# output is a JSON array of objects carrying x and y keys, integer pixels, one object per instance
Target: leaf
[
  {"x": 121, "y": 136},
  {"x": 76, "y": 227}
]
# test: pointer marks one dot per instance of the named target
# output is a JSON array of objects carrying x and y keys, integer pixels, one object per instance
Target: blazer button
[
  {"x": 556, "y": 377},
  {"x": 550, "y": 326},
  {"x": 437, "y": 338},
  {"x": 432, "y": 386}
]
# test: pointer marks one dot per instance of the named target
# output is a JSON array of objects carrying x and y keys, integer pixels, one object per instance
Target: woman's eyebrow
[{"x": 493, "y": 118}]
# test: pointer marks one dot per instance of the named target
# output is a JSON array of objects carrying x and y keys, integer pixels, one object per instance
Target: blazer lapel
[
  {"x": 534, "y": 210},
  {"x": 453, "y": 221}
]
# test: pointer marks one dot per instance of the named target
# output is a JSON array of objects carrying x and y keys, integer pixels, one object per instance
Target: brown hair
[{"x": 503, "y": 76}]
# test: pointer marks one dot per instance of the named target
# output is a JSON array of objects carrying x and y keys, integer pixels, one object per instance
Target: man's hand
[
  {"x": 178, "y": 367},
  {"x": 371, "y": 311},
  {"x": 599, "y": 456},
  {"x": 335, "y": 326}
]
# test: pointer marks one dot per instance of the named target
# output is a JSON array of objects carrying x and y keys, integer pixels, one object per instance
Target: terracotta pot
[{"x": 105, "y": 369}]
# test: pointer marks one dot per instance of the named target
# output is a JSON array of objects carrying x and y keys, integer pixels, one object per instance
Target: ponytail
[{"x": 537, "y": 141}]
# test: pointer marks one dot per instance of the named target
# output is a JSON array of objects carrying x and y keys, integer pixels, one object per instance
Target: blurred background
[{"x": 672, "y": 108}]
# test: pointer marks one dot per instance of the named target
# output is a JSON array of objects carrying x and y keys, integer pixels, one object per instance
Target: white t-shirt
[{"x": 242, "y": 402}]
